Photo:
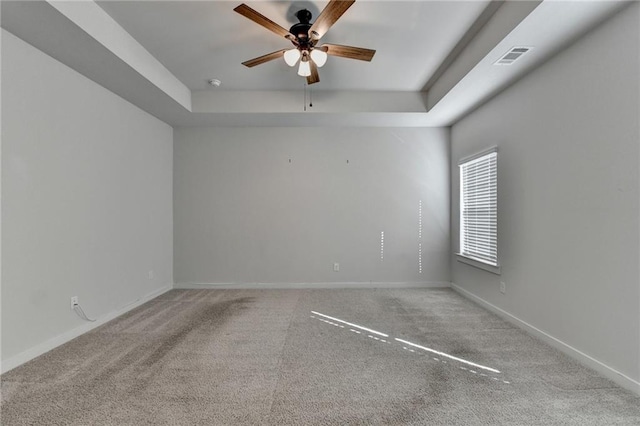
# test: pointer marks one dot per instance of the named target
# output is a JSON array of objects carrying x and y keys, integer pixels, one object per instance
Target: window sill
[{"x": 480, "y": 265}]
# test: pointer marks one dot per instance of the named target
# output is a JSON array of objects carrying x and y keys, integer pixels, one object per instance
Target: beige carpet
[{"x": 296, "y": 357}]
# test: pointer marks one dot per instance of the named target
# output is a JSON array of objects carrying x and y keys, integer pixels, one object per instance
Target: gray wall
[
  {"x": 86, "y": 199},
  {"x": 568, "y": 138},
  {"x": 244, "y": 214}
]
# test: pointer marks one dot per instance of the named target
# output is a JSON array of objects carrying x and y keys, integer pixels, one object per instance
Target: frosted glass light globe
[
  {"x": 305, "y": 69},
  {"x": 319, "y": 57},
  {"x": 291, "y": 57}
]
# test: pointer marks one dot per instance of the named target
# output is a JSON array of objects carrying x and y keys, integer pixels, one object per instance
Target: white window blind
[{"x": 479, "y": 208}]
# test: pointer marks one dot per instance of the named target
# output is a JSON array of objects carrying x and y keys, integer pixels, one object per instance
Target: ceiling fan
[{"x": 305, "y": 37}]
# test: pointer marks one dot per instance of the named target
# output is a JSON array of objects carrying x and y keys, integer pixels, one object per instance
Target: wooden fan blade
[
  {"x": 314, "y": 77},
  {"x": 264, "y": 58},
  {"x": 350, "y": 52},
  {"x": 260, "y": 19},
  {"x": 328, "y": 17}
]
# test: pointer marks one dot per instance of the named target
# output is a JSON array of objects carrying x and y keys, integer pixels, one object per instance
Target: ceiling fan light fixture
[
  {"x": 305, "y": 69},
  {"x": 291, "y": 57},
  {"x": 304, "y": 36},
  {"x": 319, "y": 57}
]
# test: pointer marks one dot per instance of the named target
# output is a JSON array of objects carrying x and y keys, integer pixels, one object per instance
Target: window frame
[{"x": 461, "y": 255}]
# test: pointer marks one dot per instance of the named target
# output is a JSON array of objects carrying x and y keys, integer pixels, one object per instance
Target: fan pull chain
[{"x": 304, "y": 89}]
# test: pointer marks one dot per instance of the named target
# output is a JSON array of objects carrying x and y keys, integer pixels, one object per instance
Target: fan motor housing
[{"x": 301, "y": 29}]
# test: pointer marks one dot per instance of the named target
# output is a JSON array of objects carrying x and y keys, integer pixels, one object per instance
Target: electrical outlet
[
  {"x": 74, "y": 302},
  {"x": 503, "y": 287},
  {"x": 150, "y": 275},
  {"x": 336, "y": 267}
]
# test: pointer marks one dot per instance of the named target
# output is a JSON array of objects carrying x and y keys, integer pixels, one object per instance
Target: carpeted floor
[{"x": 297, "y": 357}]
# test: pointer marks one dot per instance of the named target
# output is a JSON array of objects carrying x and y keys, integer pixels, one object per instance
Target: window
[{"x": 479, "y": 210}]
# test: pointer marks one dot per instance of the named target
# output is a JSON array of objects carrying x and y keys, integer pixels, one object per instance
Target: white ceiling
[
  {"x": 199, "y": 40},
  {"x": 434, "y": 59}
]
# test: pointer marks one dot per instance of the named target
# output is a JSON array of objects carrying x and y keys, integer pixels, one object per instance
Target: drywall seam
[
  {"x": 370, "y": 284},
  {"x": 63, "y": 338},
  {"x": 602, "y": 368}
]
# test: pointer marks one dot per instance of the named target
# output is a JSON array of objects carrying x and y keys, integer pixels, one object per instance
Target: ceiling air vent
[{"x": 512, "y": 55}]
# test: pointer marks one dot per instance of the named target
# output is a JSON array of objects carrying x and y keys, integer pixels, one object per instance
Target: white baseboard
[
  {"x": 40, "y": 349},
  {"x": 408, "y": 284},
  {"x": 609, "y": 372}
]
